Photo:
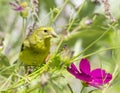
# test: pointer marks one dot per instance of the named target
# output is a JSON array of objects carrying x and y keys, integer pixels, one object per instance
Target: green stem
[
  {"x": 58, "y": 47},
  {"x": 5, "y": 69},
  {"x": 22, "y": 36},
  {"x": 6, "y": 82},
  {"x": 96, "y": 52},
  {"x": 70, "y": 88},
  {"x": 66, "y": 1},
  {"x": 71, "y": 23},
  {"x": 31, "y": 76},
  {"x": 41, "y": 90},
  {"x": 37, "y": 18},
  {"x": 93, "y": 42},
  {"x": 82, "y": 89},
  {"x": 23, "y": 29},
  {"x": 92, "y": 90}
]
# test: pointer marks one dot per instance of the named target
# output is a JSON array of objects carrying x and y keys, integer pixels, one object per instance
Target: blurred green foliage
[
  {"x": 3, "y": 15},
  {"x": 87, "y": 32}
]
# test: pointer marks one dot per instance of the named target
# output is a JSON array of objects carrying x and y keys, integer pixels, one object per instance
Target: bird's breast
[{"x": 41, "y": 46}]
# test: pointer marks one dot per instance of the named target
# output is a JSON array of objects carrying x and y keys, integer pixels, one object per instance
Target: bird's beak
[{"x": 54, "y": 34}]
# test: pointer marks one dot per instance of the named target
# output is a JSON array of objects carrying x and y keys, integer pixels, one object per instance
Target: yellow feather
[{"x": 36, "y": 46}]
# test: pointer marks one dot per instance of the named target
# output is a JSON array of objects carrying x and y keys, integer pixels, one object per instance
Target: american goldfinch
[{"x": 36, "y": 46}]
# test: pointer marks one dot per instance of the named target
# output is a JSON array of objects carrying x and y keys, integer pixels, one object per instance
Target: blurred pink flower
[
  {"x": 17, "y": 7},
  {"x": 97, "y": 77}
]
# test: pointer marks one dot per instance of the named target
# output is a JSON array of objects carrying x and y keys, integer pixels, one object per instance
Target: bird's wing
[{"x": 25, "y": 44}]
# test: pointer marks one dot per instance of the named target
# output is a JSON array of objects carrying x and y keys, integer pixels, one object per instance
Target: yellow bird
[{"x": 36, "y": 46}]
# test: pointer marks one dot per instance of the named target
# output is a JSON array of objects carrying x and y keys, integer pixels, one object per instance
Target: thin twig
[{"x": 70, "y": 88}]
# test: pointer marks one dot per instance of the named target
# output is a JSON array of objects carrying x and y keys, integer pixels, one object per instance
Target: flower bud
[
  {"x": 56, "y": 10},
  {"x": 24, "y": 4},
  {"x": 24, "y": 13}
]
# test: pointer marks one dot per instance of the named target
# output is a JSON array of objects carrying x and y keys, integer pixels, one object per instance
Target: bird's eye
[{"x": 45, "y": 31}]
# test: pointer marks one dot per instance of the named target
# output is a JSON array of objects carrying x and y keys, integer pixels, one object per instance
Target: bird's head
[{"x": 46, "y": 32}]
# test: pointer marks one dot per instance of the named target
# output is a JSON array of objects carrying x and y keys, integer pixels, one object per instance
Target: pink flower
[
  {"x": 17, "y": 7},
  {"x": 97, "y": 77}
]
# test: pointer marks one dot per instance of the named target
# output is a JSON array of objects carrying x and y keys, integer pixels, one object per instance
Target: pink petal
[
  {"x": 73, "y": 70},
  {"x": 19, "y": 8},
  {"x": 74, "y": 67},
  {"x": 13, "y": 4},
  {"x": 84, "y": 77},
  {"x": 108, "y": 78},
  {"x": 96, "y": 82},
  {"x": 84, "y": 66},
  {"x": 98, "y": 76},
  {"x": 98, "y": 73}
]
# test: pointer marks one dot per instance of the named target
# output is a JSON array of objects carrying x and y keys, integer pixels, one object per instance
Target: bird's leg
[{"x": 47, "y": 58}]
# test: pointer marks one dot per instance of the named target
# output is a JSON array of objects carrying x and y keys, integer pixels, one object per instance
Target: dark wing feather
[{"x": 22, "y": 47}]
